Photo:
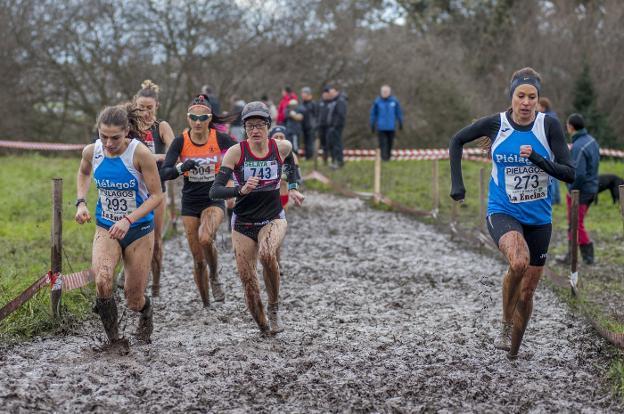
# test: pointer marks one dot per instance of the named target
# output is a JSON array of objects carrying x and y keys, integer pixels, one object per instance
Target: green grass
[{"x": 25, "y": 220}]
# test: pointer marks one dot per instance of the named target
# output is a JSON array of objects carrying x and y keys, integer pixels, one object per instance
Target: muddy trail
[{"x": 382, "y": 314}]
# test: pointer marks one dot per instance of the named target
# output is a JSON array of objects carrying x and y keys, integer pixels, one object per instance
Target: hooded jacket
[{"x": 385, "y": 114}]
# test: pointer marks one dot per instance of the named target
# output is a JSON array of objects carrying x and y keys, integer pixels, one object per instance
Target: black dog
[{"x": 611, "y": 182}]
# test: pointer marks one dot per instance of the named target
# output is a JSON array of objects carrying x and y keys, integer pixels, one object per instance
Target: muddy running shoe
[
  {"x": 274, "y": 319},
  {"x": 107, "y": 309},
  {"x": 146, "y": 325},
  {"x": 503, "y": 341},
  {"x": 217, "y": 288}
]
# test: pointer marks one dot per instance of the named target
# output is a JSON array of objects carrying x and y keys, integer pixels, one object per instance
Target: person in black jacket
[
  {"x": 310, "y": 120},
  {"x": 336, "y": 120},
  {"x": 323, "y": 108}
]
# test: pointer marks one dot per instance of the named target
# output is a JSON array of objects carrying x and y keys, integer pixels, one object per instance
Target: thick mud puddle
[{"x": 381, "y": 313}]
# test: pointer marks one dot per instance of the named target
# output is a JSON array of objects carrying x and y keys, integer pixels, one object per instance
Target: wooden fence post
[
  {"x": 621, "y": 188},
  {"x": 377, "y": 178},
  {"x": 317, "y": 145},
  {"x": 482, "y": 205},
  {"x": 574, "y": 212},
  {"x": 56, "y": 242},
  {"x": 435, "y": 189}
]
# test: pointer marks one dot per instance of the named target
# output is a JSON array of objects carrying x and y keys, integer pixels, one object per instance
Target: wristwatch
[
  {"x": 80, "y": 200},
  {"x": 293, "y": 186}
]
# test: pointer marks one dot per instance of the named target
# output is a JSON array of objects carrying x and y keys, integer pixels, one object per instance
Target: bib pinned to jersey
[{"x": 208, "y": 157}]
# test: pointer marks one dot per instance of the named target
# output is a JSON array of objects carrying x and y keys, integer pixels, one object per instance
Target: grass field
[{"x": 25, "y": 217}]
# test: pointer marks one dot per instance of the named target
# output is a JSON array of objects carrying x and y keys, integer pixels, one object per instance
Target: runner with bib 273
[
  {"x": 528, "y": 149},
  {"x": 200, "y": 150}
]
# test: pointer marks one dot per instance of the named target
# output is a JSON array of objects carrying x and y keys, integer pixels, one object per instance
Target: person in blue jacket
[
  {"x": 586, "y": 156},
  {"x": 385, "y": 114}
]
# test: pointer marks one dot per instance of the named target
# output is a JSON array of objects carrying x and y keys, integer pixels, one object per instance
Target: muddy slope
[{"x": 382, "y": 314}]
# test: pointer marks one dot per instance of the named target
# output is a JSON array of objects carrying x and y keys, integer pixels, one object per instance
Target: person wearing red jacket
[{"x": 287, "y": 95}]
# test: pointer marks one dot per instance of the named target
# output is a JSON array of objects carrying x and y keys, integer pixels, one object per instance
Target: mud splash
[{"x": 381, "y": 314}]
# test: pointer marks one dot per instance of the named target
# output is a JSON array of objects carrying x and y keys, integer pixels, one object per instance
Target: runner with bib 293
[{"x": 528, "y": 149}]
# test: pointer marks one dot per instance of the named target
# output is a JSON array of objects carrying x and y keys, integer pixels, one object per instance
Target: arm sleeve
[
  {"x": 562, "y": 168},
  {"x": 483, "y": 127},
  {"x": 580, "y": 163},
  {"x": 291, "y": 170},
  {"x": 168, "y": 170},
  {"x": 225, "y": 141},
  {"x": 219, "y": 191}
]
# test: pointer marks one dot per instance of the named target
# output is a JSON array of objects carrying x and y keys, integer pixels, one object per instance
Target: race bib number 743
[
  {"x": 525, "y": 183},
  {"x": 264, "y": 170}
]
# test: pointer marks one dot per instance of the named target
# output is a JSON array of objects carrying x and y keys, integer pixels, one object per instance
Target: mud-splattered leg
[
  {"x": 191, "y": 227},
  {"x": 515, "y": 249},
  {"x": 105, "y": 255},
  {"x": 245, "y": 251},
  {"x": 270, "y": 239},
  {"x": 137, "y": 260},
  {"x": 211, "y": 219},
  {"x": 524, "y": 307}
]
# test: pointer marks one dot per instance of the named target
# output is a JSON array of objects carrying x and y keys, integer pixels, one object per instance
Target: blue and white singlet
[
  {"x": 121, "y": 188},
  {"x": 517, "y": 186}
]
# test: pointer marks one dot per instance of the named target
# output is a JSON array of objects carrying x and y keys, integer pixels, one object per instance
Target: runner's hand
[
  {"x": 525, "y": 151},
  {"x": 250, "y": 185},
  {"x": 188, "y": 165},
  {"x": 119, "y": 230},
  {"x": 296, "y": 196},
  {"x": 82, "y": 214}
]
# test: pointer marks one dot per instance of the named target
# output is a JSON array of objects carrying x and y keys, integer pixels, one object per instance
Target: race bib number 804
[
  {"x": 264, "y": 170},
  {"x": 525, "y": 183},
  {"x": 116, "y": 204}
]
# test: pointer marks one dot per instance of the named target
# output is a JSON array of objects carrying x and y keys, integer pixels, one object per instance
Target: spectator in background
[
  {"x": 586, "y": 156},
  {"x": 272, "y": 109},
  {"x": 545, "y": 106},
  {"x": 287, "y": 96},
  {"x": 294, "y": 117},
  {"x": 323, "y": 107},
  {"x": 336, "y": 120},
  {"x": 237, "y": 131},
  {"x": 212, "y": 99},
  {"x": 310, "y": 121},
  {"x": 385, "y": 114}
]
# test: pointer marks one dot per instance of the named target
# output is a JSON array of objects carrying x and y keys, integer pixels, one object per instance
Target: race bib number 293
[
  {"x": 525, "y": 183},
  {"x": 116, "y": 204}
]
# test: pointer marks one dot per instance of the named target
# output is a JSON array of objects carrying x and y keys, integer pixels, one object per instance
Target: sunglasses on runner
[{"x": 200, "y": 118}]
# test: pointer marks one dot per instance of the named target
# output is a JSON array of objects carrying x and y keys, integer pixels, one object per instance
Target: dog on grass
[{"x": 612, "y": 183}]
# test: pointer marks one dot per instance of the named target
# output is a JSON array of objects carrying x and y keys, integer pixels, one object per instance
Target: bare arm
[
  {"x": 144, "y": 161},
  {"x": 167, "y": 136},
  {"x": 83, "y": 180}
]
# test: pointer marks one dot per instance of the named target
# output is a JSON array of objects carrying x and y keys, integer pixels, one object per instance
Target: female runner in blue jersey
[
  {"x": 128, "y": 185},
  {"x": 527, "y": 150}
]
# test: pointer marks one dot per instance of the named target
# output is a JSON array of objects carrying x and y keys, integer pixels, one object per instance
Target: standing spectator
[
  {"x": 237, "y": 131},
  {"x": 212, "y": 99},
  {"x": 323, "y": 109},
  {"x": 545, "y": 106},
  {"x": 287, "y": 95},
  {"x": 310, "y": 121},
  {"x": 272, "y": 108},
  {"x": 336, "y": 120},
  {"x": 384, "y": 116},
  {"x": 586, "y": 156},
  {"x": 294, "y": 118}
]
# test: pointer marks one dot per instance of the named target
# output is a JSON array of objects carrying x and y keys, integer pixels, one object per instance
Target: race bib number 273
[{"x": 525, "y": 183}]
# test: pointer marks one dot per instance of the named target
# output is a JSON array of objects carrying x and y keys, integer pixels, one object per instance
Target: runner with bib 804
[
  {"x": 200, "y": 150},
  {"x": 527, "y": 150},
  {"x": 128, "y": 184}
]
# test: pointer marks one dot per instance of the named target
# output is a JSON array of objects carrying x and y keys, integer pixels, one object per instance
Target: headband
[
  {"x": 524, "y": 80},
  {"x": 199, "y": 101}
]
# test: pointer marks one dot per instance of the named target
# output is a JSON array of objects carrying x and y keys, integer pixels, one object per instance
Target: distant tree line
[{"x": 447, "y": 61}]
